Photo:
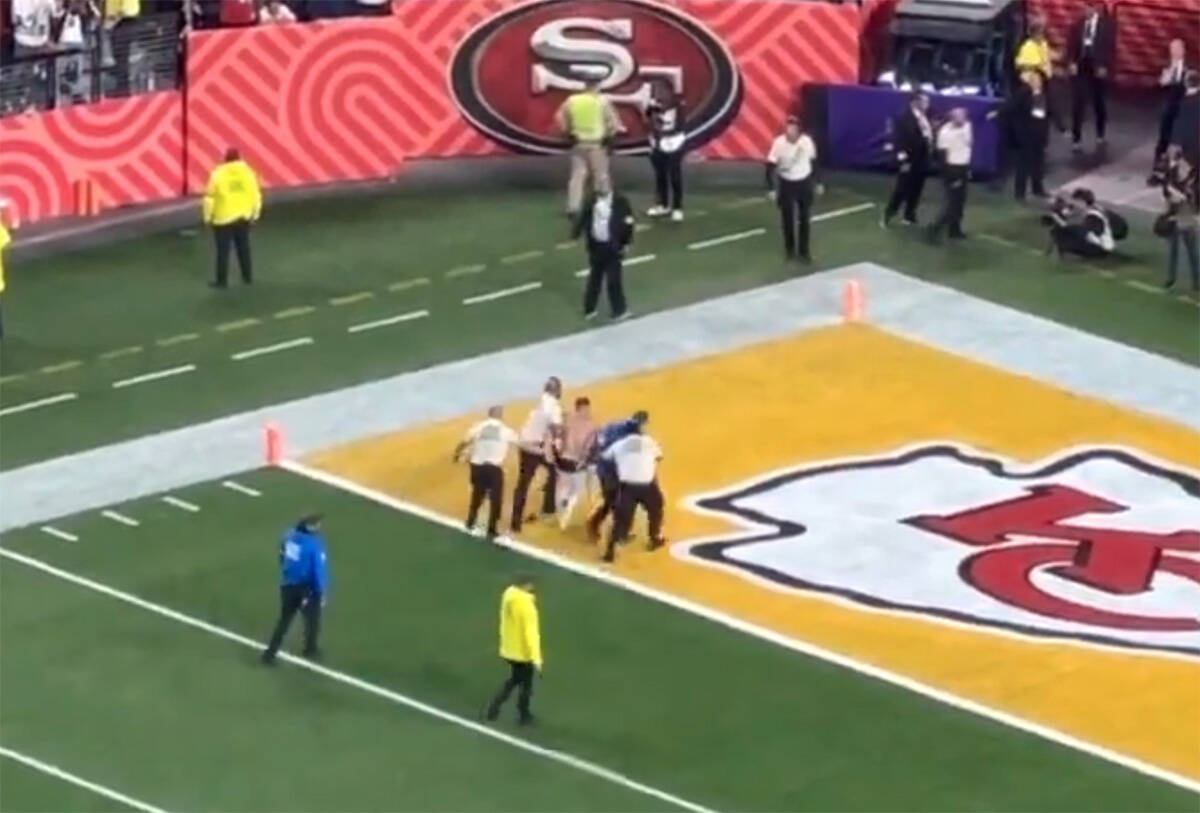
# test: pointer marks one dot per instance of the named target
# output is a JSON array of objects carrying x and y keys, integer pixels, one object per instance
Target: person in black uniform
[
  {"x": 1186, "y": 132},
  {"x": 607, "y": 220},
  {"x": 912, "y": 136},
  {"x": 1078, "y": 225},
  {"x": 1172, "y": 80},
  {"x": 1090, "y": 50},
  {"x": 1025, "y": 113},
  {"x": 665, "y": 120}
]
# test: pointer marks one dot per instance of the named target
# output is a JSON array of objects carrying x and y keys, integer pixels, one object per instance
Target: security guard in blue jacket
[
  {"x": 606, "y": 471},
  {"x": 304, "y": 581}
]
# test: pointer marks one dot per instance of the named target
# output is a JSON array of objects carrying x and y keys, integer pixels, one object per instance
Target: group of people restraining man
[{"x": 568, "y": 449}]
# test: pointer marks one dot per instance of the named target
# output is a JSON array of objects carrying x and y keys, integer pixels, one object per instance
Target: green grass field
[{"x": 128, "y": 653}]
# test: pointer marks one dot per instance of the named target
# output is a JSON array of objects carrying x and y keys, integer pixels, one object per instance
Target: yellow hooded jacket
[
  {"x": 520, "y": 632},
  {"x": 232, "y": 194}
]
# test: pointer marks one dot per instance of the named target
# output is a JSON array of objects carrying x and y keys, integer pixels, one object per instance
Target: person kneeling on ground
[{"x": 1078, "y": 225}]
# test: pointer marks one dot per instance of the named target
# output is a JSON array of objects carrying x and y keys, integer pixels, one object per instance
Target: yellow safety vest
[
  {"x": 585, "y": 111},
  {"x": 520, "y": 632},
  {"x": 5, "y": 239},
  {"x": 232, "y": 194}
]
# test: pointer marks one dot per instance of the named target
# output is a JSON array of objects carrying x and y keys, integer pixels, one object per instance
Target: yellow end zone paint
[{"x": 830, "y": 394}]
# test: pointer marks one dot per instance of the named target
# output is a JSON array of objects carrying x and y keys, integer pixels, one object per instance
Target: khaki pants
[{"x": 587, "y": 158}]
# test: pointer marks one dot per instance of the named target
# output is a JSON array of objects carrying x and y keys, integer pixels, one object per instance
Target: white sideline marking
[
  {"x": 845, "y": 210},
  {"x": 391, "y": 320},
  {"x": 727, "y": 238},
  {"x": 638, "y": 260},
  {"x": 358, "y": 683},
  {"x": 503, "y": 292},
  {"x": 117, "y": 516},
  {"x": 272, "y": 348},
  {"x": 154, "y": 376},
  {"x": 178, "y": 503},
  {"x": 50, "y": 529},
  {"x": 803, "y": 647},
  {"x": 41, "y": 402},
  {"x": 234, "y": 485},
  {"x": 59, "y": 773}
]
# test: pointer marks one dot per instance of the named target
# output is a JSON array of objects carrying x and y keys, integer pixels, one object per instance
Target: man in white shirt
[
  {"x": 487, "y": 445},
  {"x": 636, "y": 457},
  {"x": 954, "y": 141},
  {"x": 536, "y": 451},
  {"x": 791, "y": 164}
]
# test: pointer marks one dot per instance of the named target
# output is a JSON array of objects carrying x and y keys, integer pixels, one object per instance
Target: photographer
[
  {"x": 1079, "y": 226},
  {"x": 1180, "y": 223}
]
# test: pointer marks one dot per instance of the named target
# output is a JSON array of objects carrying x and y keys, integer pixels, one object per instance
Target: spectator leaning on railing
[{"x": 31, "y": 27}]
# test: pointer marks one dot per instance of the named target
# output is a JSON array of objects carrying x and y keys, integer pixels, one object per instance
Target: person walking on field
[
  {"x": 232, "y": 202},
  {"x": 303, "y": 586},
  {"x": 520, "y": 647},
  {"x": 590, "y": 122}
]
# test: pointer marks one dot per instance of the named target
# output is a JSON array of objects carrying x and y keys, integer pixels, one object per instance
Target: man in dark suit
[
  {"x": 1090, "y": 50},
  {"x": 1172, "y": 81},
  {"x": 607, "y": 221},
  {"x": 912, "y": 138},
  {"x": 1186, "y": 132}
]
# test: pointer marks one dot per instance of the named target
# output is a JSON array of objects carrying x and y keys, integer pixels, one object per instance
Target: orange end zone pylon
[
  {"x": 852, "y": 301},
  {"x": 274, "y": 444}
]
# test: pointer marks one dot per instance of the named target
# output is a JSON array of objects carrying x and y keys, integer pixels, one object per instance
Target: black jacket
[
  {"x": 620, "y": 225},
  {"x": 1187, "y": 127},
  {"x": 1017, "y": 112},
  {"x": 910, "y": 143},
  {"x": 1102, "y": 44}
]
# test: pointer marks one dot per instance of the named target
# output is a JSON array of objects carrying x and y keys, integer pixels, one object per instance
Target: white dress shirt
[
  {"x": 793, "y": 160},
  {"x": 537, "y": 425},
  {"x": 955, "y": 141},
  {"x": 489, "y": 441},
  {"x": 636, "y": 457},
  {"x": 1089, "y": 31},
  {"x": 602, "y": 218}
]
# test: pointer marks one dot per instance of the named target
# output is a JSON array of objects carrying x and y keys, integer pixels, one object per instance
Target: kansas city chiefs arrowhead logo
[{"x": 1097, "y": 544}]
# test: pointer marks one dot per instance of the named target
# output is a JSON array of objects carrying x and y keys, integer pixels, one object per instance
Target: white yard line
[
  {"x": 117, "y": 516},
  {"x": 391, "y": 320},
  {"x": 641, "y": 258},
  {"x": 181, "y": 504},
  {"x": 66, "y": 776},
  {"x": 52, "y": 531},
  {"x": 861, "y": 667},
  {"x": 503, "y": 292},
  {"x": 726, "y": 238},
  {"x": 465, "y": 270},
  {"x": 358, "y": 683},
  {"x": 845, "y": 210},
  {"x": 234, "y": 485},
  {"x": 62, "y": 397},
  {"x": 154, "y": 376},
  {"x": 272, "y": 348}
]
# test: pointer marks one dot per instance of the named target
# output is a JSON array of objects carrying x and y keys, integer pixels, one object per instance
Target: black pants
[
  {"x": 1072, "y": 239},
  {"x": 910, "y": 183},
  {"x": 526, "y": 468},
  {"x": 795, "y": 212},
  {"x": 293, "y": 598},
  {"x": 954, "y": 178},
  {"x": 608, "y": 499},
  {"x": 236, "y": 235},
  {"x": 1030, "y": 169},
  {"x": 1087, "y": 85},
  {"x": 668, "y": 177},
  {"x": 487, "y": 480},
  {"x": 520, "y": 677},
  {"x": 629, "y": 497},
  {"x": 605, "y": 267},
  {"x": 1166, "y": 123}
]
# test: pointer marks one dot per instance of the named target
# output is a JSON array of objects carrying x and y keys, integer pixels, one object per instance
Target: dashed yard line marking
[
  {"x": 292, "y": 313},
  {"x": 61, "y": 398},
  {"x": 842, "y": 212},
  {"x": 350, "y": 299},
  {"x": 565, "y": 244},
  {"x": 154, "y": 376},
  {"x": 120, "y": 352},
  {"x": 180, "y": 339},
  {"x": 79, "y": 781},
  {"x": 183, "y": 505},
  {"x": 237, "y": 324},
  {"x": 642, "y": 227},
  {"x": 60, "y": 534},
  {"x": 346, "y": 679},
  {"x": 1143, "y": 286},
  {"x": 742, "y": 203},
  {"x": 732, "y": 622},
  {"x": 1104, "y": 272},
  {"x": 234, "y": 485},
  {"x": 465, "y": 270},
  {"x": 62, "y": 367},
  {"x": 725, "y": 238},
  {"x": 271, "y": 348},
  {"x": 522, "y": 256},
  {"x": 406, "y": 284},
  {"x": 391, "y": 320},
  {"x": 5, "y": 379},
  {"x": 117, "y": 516},
  {"x": 503, "y": 292},
  {"x": 642, "y": 258}
]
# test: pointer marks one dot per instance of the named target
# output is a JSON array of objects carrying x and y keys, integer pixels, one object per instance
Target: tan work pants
[{"x": 587, "y": 158}]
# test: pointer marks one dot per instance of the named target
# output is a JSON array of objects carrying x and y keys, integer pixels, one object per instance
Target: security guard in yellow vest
[
  {"x": 5, "y": 239},
  {"x": 520, "y": 645},
  {"x": 590, "y": 121},
  {"x": 232, "y": 201}
]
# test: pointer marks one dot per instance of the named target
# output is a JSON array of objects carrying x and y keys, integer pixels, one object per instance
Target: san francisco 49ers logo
[
  {"x": 512, "y": 72},
  {"x": 1098, "y": 544}
]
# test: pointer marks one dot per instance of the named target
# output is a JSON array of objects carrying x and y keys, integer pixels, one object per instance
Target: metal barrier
[{"x": 137, "y": 55}]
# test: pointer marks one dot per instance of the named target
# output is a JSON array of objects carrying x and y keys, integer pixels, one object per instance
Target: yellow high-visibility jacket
[
  {"x": 1035, "y": 55},
  {"x": 5, "y": 239},
  {"x": 232, "y": 194},
  {"x": 520, "y": 631}
]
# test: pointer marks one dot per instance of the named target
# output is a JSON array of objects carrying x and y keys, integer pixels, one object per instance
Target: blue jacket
[
  {"x": 609, "y": 434},
  {"x": 302, "y": 560}
]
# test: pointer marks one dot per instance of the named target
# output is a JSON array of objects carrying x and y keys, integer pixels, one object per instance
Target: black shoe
[
  {"x": 526, "y": 720},
  {"x": 958, "y": 235},
  {"x": 608, "y": 557},
  {"x": 268, "y": 658},
  {"x": 806, "y": 258},
  {"x": 655, "y": 544},
  {"x": 491, "y": 713},
  {"x": 221, "y": 286},
  {"x": 1168, "y": 285},
  {"x": 313, "y": 654},
  {"x": 910, "y": 221}
]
